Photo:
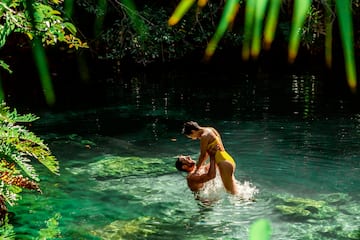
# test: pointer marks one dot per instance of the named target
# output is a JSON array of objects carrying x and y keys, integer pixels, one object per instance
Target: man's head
[{"x": 185, "y": 163}]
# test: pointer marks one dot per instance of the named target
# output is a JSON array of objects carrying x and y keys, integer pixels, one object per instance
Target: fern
[
  {"x": 18, "y": 147},
  {"x": 7, "y": 230},
  {"x": 52, "y": 230}
]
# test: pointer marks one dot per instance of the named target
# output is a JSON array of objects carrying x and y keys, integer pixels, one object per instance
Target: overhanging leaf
[
  {"x": 227, "y": 17},
  {"x": 180, "y": 11},
  {"x": 343, "y": 8},
  {"x": 301, "y": 8},
  {"x": 248, "y": 27},
  {"x": 271, "y": 22},
  {"x": 260, "y": 9},
  {"x": 328, "y": 34}
]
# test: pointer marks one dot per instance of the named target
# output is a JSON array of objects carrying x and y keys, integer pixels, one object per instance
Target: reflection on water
[
  {"x": 304, "y": 89},
  {"x": 118, "y": 179}
]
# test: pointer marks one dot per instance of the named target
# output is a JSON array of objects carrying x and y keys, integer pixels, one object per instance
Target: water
[{"x": 296, "y": 150}]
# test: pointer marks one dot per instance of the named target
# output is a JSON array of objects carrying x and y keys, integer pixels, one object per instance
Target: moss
[
  {"x": 305, "y": 207},
  {"x": 118, "y": 166},
  {"x": 133, "y": 229}
]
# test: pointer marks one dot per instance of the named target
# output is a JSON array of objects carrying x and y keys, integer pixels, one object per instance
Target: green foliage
[
  {"x": 155, "y": 41},
  {"x": 18, "y": 147},
  {"x": 45, "y": 24},
  {"x": 7, "y": 230},
  {"x": 52, "y": 229},
  {"x": 303, "y": 11},
  {"x": 5, "y": 66}
]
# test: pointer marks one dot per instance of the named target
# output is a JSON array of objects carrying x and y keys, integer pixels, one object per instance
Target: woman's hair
[{"x": 189, "y": 126}]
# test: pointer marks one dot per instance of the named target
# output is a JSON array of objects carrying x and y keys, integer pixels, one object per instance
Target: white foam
[
  {"x": 246, "y": 191},
  {"x": 214, "y": 190}
]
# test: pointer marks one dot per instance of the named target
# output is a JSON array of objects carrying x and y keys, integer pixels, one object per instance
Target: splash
[
  {"x": 246, "y": 191},
  {"x": 214, "y": 190}
]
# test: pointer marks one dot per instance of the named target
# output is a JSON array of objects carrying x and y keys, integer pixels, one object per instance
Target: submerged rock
[
  {"x": 121, "y": 229},
  {"x": 335, "y": 197},
  {"x": 305, "y": 207},
  {"x": 118, "y": 166}
]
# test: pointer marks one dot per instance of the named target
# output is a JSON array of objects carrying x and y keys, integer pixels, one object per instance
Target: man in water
[{"x": 196, "y": 179}]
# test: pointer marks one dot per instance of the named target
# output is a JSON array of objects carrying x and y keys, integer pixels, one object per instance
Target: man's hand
[{"x": 214, "y": 149}]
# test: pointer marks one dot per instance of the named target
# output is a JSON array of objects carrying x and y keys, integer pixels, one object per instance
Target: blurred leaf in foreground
[{"x": 260, "y": 230}]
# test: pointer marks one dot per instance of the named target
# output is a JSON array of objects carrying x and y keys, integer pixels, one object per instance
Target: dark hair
[
  {"x": 178, "y": 165},
  {"x": 189, "y": 126}
]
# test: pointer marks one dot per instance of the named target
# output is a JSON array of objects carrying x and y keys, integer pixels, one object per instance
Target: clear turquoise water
[{"x": 298, "y": 148}]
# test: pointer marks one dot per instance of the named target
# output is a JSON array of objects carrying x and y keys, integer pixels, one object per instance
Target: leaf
[
  {"x": 30, "y": 35},
  {"x": 55, "y": 12},
  {"x": 137, "y": 22},
  {"x": 271, "y": 22},
  {"x": 248, "y": 27},
  {"x": 328, "y": 35},
  {"x": 180, "y": 11},
  {"x": 260, "y": 230},
  {"x": 202, "y": 3},
  {"x": 42, "y": 65},
  {"x": 260, "y": 9},
  {"x": 69, "y": 26},
  {"x": 301, "y": 8},
  {"x": 227, "y": 17},
  {"x": 343, "y": 8},
  {"x": 5, "y": 66}
]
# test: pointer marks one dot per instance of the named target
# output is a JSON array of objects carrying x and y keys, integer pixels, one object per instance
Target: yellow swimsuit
[{"x": 221, "y": 156}]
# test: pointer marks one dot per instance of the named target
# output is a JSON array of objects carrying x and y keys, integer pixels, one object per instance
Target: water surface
[{"x": 295, "y": 145}]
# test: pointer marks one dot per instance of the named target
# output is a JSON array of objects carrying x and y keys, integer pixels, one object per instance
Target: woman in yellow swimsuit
[{"x": 209, "y": 137}]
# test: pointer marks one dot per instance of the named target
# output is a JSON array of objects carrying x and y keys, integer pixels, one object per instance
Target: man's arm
[
  {"x": 203, "y": 152},
  {"x": 202, "y": 178}
]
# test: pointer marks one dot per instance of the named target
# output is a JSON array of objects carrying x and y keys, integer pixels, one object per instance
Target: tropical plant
[
  {"x": 40, "y": 20},
  {"x": 51, "y": 231},
  {"x": 42, "y": 23},
  {"x": 18, "y": 147},
  {"x": 260, "y": 33},
  {"x": 151, "y": 40}
]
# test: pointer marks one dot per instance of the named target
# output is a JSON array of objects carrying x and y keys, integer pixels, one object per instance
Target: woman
[{"x": 209, "y": 137}]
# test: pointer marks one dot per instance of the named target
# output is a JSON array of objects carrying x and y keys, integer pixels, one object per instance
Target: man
[{"x": 196, "y": 179}]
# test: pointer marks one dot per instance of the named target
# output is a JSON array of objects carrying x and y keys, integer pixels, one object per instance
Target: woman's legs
[{"x": 227, "y": 175}]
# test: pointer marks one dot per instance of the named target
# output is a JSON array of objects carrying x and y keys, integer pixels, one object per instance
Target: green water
[{"x": 298, "y": 148}]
